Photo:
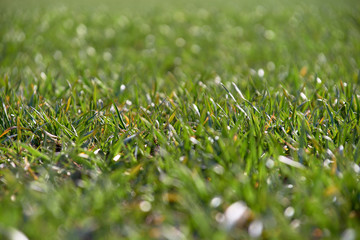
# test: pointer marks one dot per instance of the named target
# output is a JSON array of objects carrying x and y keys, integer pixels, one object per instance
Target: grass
[{"x": 191, "y": 120}]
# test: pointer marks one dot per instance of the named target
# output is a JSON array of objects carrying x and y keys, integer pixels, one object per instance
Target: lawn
[{"x": 180, "y": 119}]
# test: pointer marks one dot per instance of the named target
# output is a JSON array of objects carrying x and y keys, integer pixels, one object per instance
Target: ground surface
[{"x": 186, "y": 120}]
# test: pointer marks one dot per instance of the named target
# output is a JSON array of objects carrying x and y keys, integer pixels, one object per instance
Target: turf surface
[{"x": 180, "y": 120}]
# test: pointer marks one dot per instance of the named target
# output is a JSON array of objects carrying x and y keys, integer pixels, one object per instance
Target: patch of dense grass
[{"x": 193, "y": 121}]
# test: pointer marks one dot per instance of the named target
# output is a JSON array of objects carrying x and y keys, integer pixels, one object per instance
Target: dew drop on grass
[
  {"x": 295, "y": 223},
  {"x": 107, "y": 56},
  {"x": 122, "y": 21},
  {"x": 195, "y": 49},
  {"x": 356, "y": 168},
  {"x": 194, "y": 141},
  {"x": 322, "y": 58},
  {"x": 201, "y": 84},
  {"x": 270, "y": 66},
  {"x": 252, "y": 72},
  {"x": 58, "y": 55},
  {"x": 269, "y": 34},
  {"x": 196, "y": 109},
  {"x": 38, "y": 58},
  {"x": 236, "y": 214},
  {"x": 122, "y": 87},
  {"x": 14, "y": 36},
  {"x": 83, "y": 155},
  {"x": 261, "y": 72},
  {"x": 255, "y": 229},
  {"x": 268, "y": 181},
  {"x": 218, "y": 169},
  {"x": 165, "y": 29},
  {"x": 172, "y": 233},
  {"x": 180, "y": 42},
  {"x": 112, "y": 109},
  {"x": 289, "y": 212},
  {"x": 91, "y": 51},
  {"x": 81, "y": 30},
  {"x": 145, "y": 206},
  {"x": 328, "y": 151},
  {"x": 303, "y": 96},
  {"x": 215, "y": 202},
  {"x": 270, "y": 163},
  {"x": 43, "y": 76},
  {"x": 217, "y": 80},
  {"x": 116, "y": 158},
  {"x": 100, "y": 103},
  {"x": 329, "y": 139},
  {"x": 341, "y": 150}
]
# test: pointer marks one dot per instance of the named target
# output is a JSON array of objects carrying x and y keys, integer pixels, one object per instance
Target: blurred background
[{"x": 128, "y": 42}]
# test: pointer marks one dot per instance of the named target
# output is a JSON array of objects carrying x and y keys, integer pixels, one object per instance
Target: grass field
[{"x": 180, "y": 120}]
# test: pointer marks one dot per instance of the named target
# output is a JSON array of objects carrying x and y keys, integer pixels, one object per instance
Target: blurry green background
[{"x": 138, "y": 39}]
